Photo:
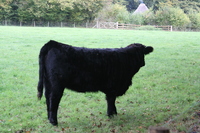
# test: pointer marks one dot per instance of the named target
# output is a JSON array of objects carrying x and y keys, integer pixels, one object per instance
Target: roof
[{"x": 141, "y": 8}]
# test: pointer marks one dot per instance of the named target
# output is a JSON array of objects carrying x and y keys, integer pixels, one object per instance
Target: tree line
[
  {"x": 179, "y": 13},
  {"x": 49, "y": 10}
]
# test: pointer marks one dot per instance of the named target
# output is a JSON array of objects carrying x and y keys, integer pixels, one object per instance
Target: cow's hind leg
[
  {"x": 47, "y": 95},
  {"x": 54, "y": 101},
  {"x": 111, "y": 108},
  {"x": 53, "y": 96}
]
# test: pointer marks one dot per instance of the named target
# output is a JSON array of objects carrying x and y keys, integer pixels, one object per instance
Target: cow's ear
[{"x": 148, "y": 50}]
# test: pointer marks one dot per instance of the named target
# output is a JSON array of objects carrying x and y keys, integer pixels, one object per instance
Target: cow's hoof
[
  {"x": 54, "y": 123},
  {"x": 111, "y": 115}
]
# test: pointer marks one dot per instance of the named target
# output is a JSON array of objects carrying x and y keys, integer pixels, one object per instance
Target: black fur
[{"x": 87, "y": 70}]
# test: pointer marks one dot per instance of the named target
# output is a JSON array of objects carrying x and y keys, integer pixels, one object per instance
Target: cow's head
[
  {"x": 148, "y": 50},
  {"x": 140, "y": 51}
]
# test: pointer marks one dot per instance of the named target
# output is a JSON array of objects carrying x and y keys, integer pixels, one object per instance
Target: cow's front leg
[
  {"x": 54, "y": 101},
  {"x": 111, "y": 109}
]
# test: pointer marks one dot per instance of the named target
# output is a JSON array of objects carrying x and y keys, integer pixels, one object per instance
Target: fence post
[
  {"x": 6, "y": 23},
  {"x": 171, "y": 27},
  {"x": 61, "y": 24},
  {"x": 33, "y": 23},
  {"x": 97, "y": 24}
]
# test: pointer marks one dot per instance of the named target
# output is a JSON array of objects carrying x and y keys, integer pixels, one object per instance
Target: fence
[
  {"x": 99, "y": 25},
  {"x": 116, "y": 25},
  {"x": 47, "y": 24},
  {"x": 106, "y": 25},
  {"x": 145, "y": 27}
]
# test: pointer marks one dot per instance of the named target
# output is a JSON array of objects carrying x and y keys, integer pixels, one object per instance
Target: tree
[
  {"x": 13, "y": 15},
  {"x": 132, "y": 5},
  {"x": 86, "y": 9},
  {"x": 24, "y": 10},
  {"x": 50, "y": 10},
  {"x": 57, "y": 11},
  {"x": 195, "y": 20},
  {"x": 185, "y": 5},
  {"x": 190, "y": 5},
  {"x": 113, "y": 13},
  {"x": 5, "y": 9}
]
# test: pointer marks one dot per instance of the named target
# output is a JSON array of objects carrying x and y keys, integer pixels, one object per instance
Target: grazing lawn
[{"x": 164, "y": 93}]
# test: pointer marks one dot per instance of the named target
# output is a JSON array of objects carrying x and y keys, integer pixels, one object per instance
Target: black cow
[{"x": 108, "y": 70}]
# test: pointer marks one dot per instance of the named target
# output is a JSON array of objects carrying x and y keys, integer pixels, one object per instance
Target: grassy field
[{"x": 164, "y": 93}]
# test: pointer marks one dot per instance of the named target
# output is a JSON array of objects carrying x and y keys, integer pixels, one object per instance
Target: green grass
[{"x": 164, "y": 93}]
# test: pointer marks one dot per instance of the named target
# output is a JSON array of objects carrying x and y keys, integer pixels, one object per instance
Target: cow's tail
[
  {"x": 43, "y": 52},
  {"x": 41, "y": 73}
]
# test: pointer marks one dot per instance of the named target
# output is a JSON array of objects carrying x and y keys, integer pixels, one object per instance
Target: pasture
[{"x": 165, "y": 92}]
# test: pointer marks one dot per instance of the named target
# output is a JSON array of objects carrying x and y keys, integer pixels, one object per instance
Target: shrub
[
  {"x": 137, "y": 19},
  {"x": 172, "y": 16},
  {"x": 123, "y": 17},
  {"x": 114, "y": 12},
  {"x": 195, "y": 21},
  {"x": 149, "y": 18}
]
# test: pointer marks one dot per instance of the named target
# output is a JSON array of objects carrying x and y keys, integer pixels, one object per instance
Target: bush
[
  {"x": 137, "y": 19},
  {"x": 123, "y": 17},
  {"x": 113, "y": 13},
  {"x": 195, "y": 21},
  {"x": 172, "y": 16},
  {"x": 149, "y": 18}
]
